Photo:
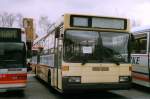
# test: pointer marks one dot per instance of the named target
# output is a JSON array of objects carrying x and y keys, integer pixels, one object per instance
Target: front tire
[{"x": 49, "y": 77}]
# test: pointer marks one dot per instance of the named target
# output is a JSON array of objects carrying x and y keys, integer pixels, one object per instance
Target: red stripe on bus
[
  {"x": 13, "y": 77},
  {"x": 140, "y": 77},
  {"x": 13, "y": 82}
]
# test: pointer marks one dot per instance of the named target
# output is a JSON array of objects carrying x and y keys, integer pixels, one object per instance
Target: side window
[{"x": 140, "y": 44}]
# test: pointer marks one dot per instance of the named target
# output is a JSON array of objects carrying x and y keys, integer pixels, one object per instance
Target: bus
[
  {"x": 85, "y": 53},
  {"x": 35, "y": 56},
  {"x": 33, "y": 63},
  {"x": 141, "y": 56},
  {"x": 13, "y": 71}
]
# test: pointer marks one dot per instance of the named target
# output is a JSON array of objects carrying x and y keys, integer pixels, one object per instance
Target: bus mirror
[{"x": 132, "y": 43}]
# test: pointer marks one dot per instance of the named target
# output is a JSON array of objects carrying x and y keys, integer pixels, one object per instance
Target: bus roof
[
  {"x": 9, "y": 28},
  {"x": 93, "y": 15},
  {"x": 140, "y": 29},
  {"x": 60, "y": 20}
]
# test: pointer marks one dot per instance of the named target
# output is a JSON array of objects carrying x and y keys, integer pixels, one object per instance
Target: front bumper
[{"x": 67, "y": 87}]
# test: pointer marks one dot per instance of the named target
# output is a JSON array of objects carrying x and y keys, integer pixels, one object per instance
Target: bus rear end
[{"x": 13, "y": 71}]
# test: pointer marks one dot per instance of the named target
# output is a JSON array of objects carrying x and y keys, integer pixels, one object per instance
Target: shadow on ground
[
  {"x": 141, "y": 88},
  {"x": 83, "y": 95},
  {"x": 10, "y": 94}
]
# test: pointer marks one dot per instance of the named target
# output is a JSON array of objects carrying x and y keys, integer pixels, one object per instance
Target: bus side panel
[
  {"x": 140, "y": 73},
  {"x": 43, "y": 72},
  {"x": 33, "y": 66},
  {"x": 38, "y": 70}
]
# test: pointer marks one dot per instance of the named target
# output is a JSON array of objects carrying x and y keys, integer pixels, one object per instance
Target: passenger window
[{"x": 140, "y": 44}]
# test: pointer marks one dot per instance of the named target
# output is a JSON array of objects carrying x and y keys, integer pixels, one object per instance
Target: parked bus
[
  {"x": 34, "y": 63},
  {"x": 141, "y": 56},
  {"x": 85, "y": 52},
  {"x": 35, "y": 56},
  {"x": 13, "y": 72}
]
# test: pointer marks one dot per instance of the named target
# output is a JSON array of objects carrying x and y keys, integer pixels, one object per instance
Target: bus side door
[{"x": 57, "y": 60}]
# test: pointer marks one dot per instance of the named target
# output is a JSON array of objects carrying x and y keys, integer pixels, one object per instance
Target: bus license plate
[{"x": 100, "y": 69}]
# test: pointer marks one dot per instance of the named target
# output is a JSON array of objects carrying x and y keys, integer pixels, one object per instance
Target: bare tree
[
  {"x": 0, "y": 19},
  {"x": 19, "y": 20},
  {"x": 44, "y": 24},
  {"x": 7, "y": 19},
  {"x": 11, "y": 20},
  {"x": 135, "y": 23}
]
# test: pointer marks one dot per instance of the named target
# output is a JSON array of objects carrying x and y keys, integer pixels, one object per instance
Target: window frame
[
  {"x": 147, "y": 42},
  {"x": 90, "y": 18}
]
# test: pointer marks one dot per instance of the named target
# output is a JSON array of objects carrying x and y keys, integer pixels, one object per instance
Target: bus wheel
[
  {"x": 49, "y": 77},
  {"x": 51, "y": 89}
]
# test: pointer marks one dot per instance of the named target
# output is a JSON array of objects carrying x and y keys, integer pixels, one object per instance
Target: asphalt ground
[{"x": 36, "y": 89}]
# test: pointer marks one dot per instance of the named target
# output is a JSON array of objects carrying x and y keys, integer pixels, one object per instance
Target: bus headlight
[
  {"x": 74, "y": 79},
  {"x": 124, "y": 78}
]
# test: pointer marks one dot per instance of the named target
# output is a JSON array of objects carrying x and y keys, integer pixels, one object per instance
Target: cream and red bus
[
  {"x": 141, "y": 56},
  {"x": 13, "y": 71},
  {"x": 85, "y": 52}
]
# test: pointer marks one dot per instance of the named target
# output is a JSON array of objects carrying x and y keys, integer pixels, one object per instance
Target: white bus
[
  {"x": 141, "y": 56},
  {"x": 85, "y": 52}
]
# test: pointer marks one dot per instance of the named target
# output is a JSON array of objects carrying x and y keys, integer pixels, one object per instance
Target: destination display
[
  {"x": 80, "y": 21},
  {"x": 10, "y": 34},
  {"x": 98, "y": 22},
  {"x": 109, "y": 23}
]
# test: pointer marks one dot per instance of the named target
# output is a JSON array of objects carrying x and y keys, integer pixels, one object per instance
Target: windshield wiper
[
  {"x": 116, "y": 61},
  {"x": 84, "y": 59}
]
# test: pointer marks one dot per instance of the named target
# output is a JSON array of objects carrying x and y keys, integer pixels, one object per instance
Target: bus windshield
[
  {"x": 12, "y": 55},
  {"x": 93, "y": 46}
]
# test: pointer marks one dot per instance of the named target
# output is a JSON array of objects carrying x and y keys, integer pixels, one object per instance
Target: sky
[{"x": 134, "y": 9}]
